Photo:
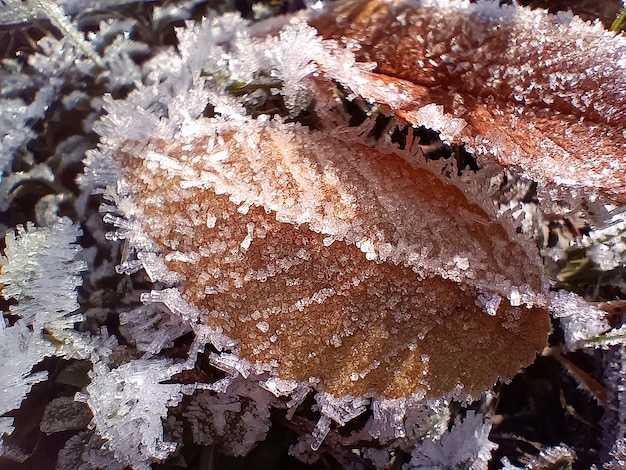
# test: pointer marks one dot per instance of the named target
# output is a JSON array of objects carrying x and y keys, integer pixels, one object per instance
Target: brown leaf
[
  {"x": 545, "y": 94},
  {"x": 326, "y": 258}
]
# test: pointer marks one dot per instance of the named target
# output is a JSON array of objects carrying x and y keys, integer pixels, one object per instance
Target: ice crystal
[
  {"x": 467, "y": 445},
  {"x": 152, "y": 327},
  {"x": 579, "y": 320},
  {"x": 128, "y": 403},
  {"x": 408, "y": 419},
  {"x": 40, "y": 272}
]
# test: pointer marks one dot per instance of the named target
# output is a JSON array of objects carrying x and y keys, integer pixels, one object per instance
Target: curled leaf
[
  {"x": 543, "y": 93},
  {"x": 325, "y": 258}
]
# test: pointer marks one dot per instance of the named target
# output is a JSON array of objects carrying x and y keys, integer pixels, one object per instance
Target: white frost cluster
[
  {"x": 18, "y": 342},
  {"x": 14, "y": 116},
  {"x": 40, "y": 272},
  {"x": 39, "y": 264},
  {"x": 579, "y": 319},
  {"x": 128, "y": 403},
  {"x": 467, "y": 445}
]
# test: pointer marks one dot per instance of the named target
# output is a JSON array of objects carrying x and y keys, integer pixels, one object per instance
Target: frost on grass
[
  {"x": 39, "y": 271},
  {"x": 128, "y": 403},
  {"x": 559, "y": 455},
  {"x": 466, "y": 445},
  {"x": 580, "y": 320},
  {"x": 608, "y": 243}
]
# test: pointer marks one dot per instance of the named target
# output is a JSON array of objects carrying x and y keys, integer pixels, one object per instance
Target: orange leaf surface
[{"x": 329, "y": 259}]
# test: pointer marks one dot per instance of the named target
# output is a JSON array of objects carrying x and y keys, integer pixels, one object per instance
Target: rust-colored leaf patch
[{"x": 543, "y": 93}]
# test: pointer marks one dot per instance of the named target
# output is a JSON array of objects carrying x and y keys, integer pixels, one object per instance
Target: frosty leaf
[
  {"x": 388, "y": 286},
  {"x": 540, "y": 92},
  {"x": 306, "y": 247}
]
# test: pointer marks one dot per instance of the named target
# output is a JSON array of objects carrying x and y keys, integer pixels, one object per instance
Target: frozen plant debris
[
  {"x": 234, "y": 420},
  {"x": 560, "y": 455},
  {"x": 86, "y": 451}
]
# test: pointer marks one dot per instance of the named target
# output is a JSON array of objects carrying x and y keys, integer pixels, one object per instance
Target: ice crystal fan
[{"x": 326, "y": 258}]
